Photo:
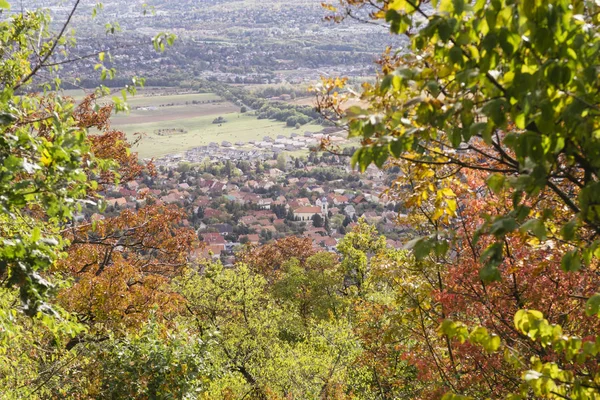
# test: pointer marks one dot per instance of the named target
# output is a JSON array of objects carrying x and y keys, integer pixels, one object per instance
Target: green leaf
[
  {"x": 592, "y": 306},
  {"x": 421, "y": 247},
  {"x": 452, "y": 396},
  {"x": 481, "y": 336},
  {"x": 496, "y": 110},
  {"x": 380, "y": 155},
  {"x": 520, "y": 121},
  {"x": 4, "y": 4},
  {"x": 535, "y": 226},
  {"x": 491, "y": 258},
  {"x": 454, "y": 330},
  {"x": 571, "y": 261},
  {"x": 397, "y": 147},
  {"x": 490, "y": 273},
  {"x": 496, "y": 183},
  {"x": 502, "y": 226}
]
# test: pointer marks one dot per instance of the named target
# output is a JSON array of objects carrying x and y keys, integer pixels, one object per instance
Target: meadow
[
  {"x": 188, "y": 120},
  {"x": 189, "y": 117},
  {"x": 201, "y": 131}
]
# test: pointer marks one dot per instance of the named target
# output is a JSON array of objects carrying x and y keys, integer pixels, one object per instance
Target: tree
[
  {"x": 505, "y": 88},
  {"x": 184, "y": 167},
  {"x": 356, "y": 248},
  {"x": 282, "y": 161},
  {"x": 317, "y": 221},
  {"x": 123, "y": 265},
  {"x": 51, "y": 166},
  {"x": 509, "y": 140},
  {"x": 46, "y": 147},
  {"x": 259, "y": 167},
  {"x": 311, "y": 287},
  {"x": 347, "y": 221},
  {"x": 229, "y": 168},
  {"x": 290, "y": 215},
  {"x": 42, "y": 151},
  {"x": 258, "y": 348},
  {"x": 269, "y": 258},
  {"x": 175, "y": 366}
]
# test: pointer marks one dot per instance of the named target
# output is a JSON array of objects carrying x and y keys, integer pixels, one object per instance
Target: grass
[
  {"x": 201, "y": 131},
  {"x": 150, "y": 113}
]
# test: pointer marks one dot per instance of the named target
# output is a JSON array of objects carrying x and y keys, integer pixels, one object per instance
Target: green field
[
  {"x": 201, "y": 131},
  {"x": 189, "y": 125}
]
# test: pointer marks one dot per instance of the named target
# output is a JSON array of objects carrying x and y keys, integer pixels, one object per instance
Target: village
[{"x": 235, "y": 198}]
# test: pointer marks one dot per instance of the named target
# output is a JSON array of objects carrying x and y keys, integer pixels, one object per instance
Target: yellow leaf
[{"x": 46, "y": 159}]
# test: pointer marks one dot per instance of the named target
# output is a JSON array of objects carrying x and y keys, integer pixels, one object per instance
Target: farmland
[
  {"x": 171, "y": 123},
  {"x": 201, "y": 131}
]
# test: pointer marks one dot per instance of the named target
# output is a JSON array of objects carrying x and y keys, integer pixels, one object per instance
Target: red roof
[
  {"x": 308, "y": 210},
  {"x": 213, "y": 238}
]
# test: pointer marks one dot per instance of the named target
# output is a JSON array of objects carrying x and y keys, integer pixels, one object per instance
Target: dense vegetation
[
  {"x": 491, "y": 122},
  {"x": 289, "y": 113}
]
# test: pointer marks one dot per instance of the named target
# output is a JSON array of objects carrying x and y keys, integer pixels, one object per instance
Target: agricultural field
[
  {"x": 198, "y": 131},
  {"x": 169, "y": 122}
]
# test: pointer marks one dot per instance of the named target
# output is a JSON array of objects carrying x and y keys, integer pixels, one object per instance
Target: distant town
[{"x": 238, "y": 194}]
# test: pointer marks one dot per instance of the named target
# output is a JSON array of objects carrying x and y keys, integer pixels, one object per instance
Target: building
[
  {"x": 306, "y": 213},
  {"x": 324, "y": 204}
]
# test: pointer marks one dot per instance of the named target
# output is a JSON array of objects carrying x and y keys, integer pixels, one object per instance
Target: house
[
  {"x": 207, "y": 252},
  {"x": 317, "y": 231},
  {"x": 171, "y": 198},
  {"x": 306, "y": 213},
  {"x": 121, "y": 201},
  {"x": 338, "y": 199},
  {"x": 359, "y": 199},
  {"x": 213, "y": 238},
  {"x": 126, "y": 192},
  {"x": 303, "y": 201},
  {"x": 223, "y": 229},
  {"x": 269, "y": 228},
  {"x": 218, "y": 187},
  {"x": 267, "y": 185},
  {"x": 132, "y": 185},
  {"x": 329, "y": 243},
  {"x": 252, "y": 239},
  {"x": 350, "y": 211},
  {"x": 265, "y": 204},
  {"x": 212, "y": 213},
  {"x": 275, "y": 172},
  {"x": 372, "y": 217}
]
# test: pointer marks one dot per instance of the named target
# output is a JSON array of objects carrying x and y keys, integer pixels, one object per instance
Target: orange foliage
[
  {"x": 122, "y": 265},
  {"x": 110, "y": 144},
  {"x": 269, "y": 258},
  {"x": 532, "y": 278}
]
